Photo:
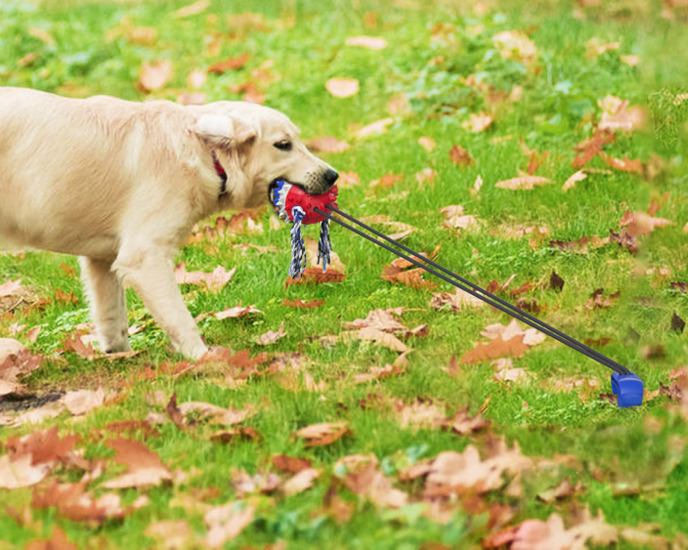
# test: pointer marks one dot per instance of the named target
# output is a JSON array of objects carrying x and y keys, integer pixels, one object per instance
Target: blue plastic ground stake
[{"x": 628, "y": 388}]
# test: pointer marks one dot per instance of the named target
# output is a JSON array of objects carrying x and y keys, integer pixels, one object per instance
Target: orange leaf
[
  {"x": 460, "y": 156},
  {"x": 298, "y": 303},
  {"x": 495, "y": 348},
  {"x": 327, "y": 144},
  {"x": 342, "y": 87},
  {"x": 229, "y": 64},
  {"x": 523, "y": 182},
  {"x": 154, "y": 77}
]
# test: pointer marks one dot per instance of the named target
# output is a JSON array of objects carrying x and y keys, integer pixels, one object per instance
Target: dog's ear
[{"x": 223, "y": 131}]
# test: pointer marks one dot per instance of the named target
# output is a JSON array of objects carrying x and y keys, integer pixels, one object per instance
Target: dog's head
[{"x": 258, "y": 146}]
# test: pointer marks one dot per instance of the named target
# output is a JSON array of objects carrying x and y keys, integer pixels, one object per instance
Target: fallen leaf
[
  {"x": 573, "y": 179},
  {"x": 21, "y": 472},
  {"x": 427, "y": 143},
  {"x": 410, "y": 277},
  {"x": 300, "y": 482},
  {"x": 216, "y": 414},
  {"x": 291, "y": 464},
  {"x": 495, "y": 348},
  {"x": 556, "y": 282},
  {"x": 270, "y": 337},
  {"x": 523, "y": 182},
  {"x": 74, "y": 342},
  {"x": 426, "y": 175},
  {"x": 144, "y": 467},
  {"x": 562, "y": 490},
  {"x": 455, "y": 302},
  {"x": 370, "y": 483},
  {"x": 235, "y": 312},
  {"x": 419, "y": 414},
  {"x": 315, "y": 275},
  {"x": 196, "y": 79},
  {"x": 342, "y": 87},
  {"x": 368, "y": 42},
  {"x": 170, "y": 534},
  {"x": 515, "y": 45},
  {"x": 227, "y": 522},
  {"x": 213, "y": 281},
  {"x": 379, "y": 337},
  {"x": 616, "y": 115},
  {"x": 317, "y": 435},
  {"x": 10, "y": 288},
  {"x": 625, "y": 164},
  {"x": 154, "y": 76},
  {"x": 595, "y": 47},
  {"x": 82, "y": 401},
  {"x": 640, "y": 223},
  {"x": 192, "y": 9},
  {"x": 229, "y": 64},
  {"x": 375, "y": 128},
  {"x": 464, "y": 424},
  {"x": 478, "y": 123},
  {"x": 58, "y": 541},
  {"x": 348, "y": 180},
  {"x": 243, "y": 433},
  {"x": 327, "y": 144},
  {"x": 590, "y": 148},
  {"x": 398, "y": 105},
  {"x": 300, "y": 304},
  {"x": 631, "y": 60},
  {"x": 377, "y": 373},
  {"x": 460, "y": 156}
]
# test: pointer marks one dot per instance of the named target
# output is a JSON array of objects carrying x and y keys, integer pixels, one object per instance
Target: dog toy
[{"x": 297, "y": 207}]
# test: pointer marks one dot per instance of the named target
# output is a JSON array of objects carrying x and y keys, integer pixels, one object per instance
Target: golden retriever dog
[{"x": 121, "y": 184}]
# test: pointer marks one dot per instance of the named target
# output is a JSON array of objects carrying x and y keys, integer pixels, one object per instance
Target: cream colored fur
[{"x": 121, "y": 184}]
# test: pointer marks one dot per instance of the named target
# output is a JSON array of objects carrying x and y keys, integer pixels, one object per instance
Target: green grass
[{"x": 306, "y": 42}]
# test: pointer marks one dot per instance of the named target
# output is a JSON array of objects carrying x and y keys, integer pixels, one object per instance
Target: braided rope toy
[{"x": 297, "y": 207}]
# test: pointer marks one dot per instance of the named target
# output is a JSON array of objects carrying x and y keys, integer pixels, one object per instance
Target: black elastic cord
[{"x": 497, "y": 303}]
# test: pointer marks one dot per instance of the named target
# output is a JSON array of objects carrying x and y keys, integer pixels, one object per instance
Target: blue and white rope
[
  {"x": 324, "y": 244},
  {"x": 298, "y": 247}
]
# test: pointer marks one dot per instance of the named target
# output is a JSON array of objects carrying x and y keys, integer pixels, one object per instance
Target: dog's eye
[{"x": 284, "y": 145}]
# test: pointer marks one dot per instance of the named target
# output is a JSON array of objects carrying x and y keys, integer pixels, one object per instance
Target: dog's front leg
[
  {"x": 108, "y": 304},
  {"x": 151, "y": 273}
]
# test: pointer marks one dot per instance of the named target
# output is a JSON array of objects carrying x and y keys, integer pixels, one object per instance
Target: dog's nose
[{"x": 330, "y": 176}]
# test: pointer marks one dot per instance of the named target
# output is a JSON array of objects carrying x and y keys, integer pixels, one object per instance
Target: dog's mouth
[{"x": 273, "y": 192}]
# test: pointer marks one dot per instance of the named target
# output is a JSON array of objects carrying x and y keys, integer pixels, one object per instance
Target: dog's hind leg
[
  {"x": 108, "y": 304},
  {"x": 151, "y": 273}
]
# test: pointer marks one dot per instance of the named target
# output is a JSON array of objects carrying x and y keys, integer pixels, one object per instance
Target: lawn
[{"x": 554, "y": 131}]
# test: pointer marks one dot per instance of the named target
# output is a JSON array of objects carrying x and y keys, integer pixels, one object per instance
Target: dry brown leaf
[
  {"x": 419, "y": 414},
  {"x": 398, "y": 105},
  {"x": 590, "y": 148},
  {"x": 270, "y": 337},
  {"x": 229, "y": 64},
  {"x": 560, "y": 491},
  {"x": 374, "y": 128},
  {"x": 377, "y": 373},
  {"x": 235, "y": 312},
  {"x": 478, "y": 123},
  {"x": 315, "y": 275},
  {"x": 379, "y": 337},
  {"x": 464, "y": 424},
  {"x": 426, "y": 175},
  {"x": 21, "y": 472},
  {"x": 10, "y": 288},
  {"x": 459, "y": 156},
  {"x": 368, "y": 42},
  {"x": 144, "y": 467},
  {"x": 325, "y": 433},
  {"x": 348, "y": 180},
  {"x": 523, "y": 182},
  {"x": 227, "y": 522},
  {"x": 213, "y": 281},
  {"x": 154, "y": 76},
  {"x": 616, "y": 115},
  {"x": 640, "y": 223},
  {"x": 342, "y": 87},
  {"x": 216, "y": 414},
  {"x": 625, "y": 164},
  {"x": 515, "y": 45},
  {"x": 170, "y": 534},
  {"x": 456, "y": 302},
  {"x": 369, "y": 482},
  {"x": 82, "y": 401},
  {"x": 531, "y": 336},
  {"x": 192, "y": 9},
  {"x": 427, "y": 143},
  {"x": 58, "y": 541},
  {"x": 573, "y": 179},
  {"x": 300, "y": 304},
  {"x": 595, "y": 47},
  {"x": 300, "y": 482},
  {"x": 75, "y": 343},
  {"x": 327, "y": 144},
  {"x": 291, "y": 464},
  {"x": 495, "y": 348},
  {"x": 196, "y": 79},
  {"x": 312, "y": 257},
  {"x": 410, "y": 277},
  {"x": 386, "y": 181}
]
